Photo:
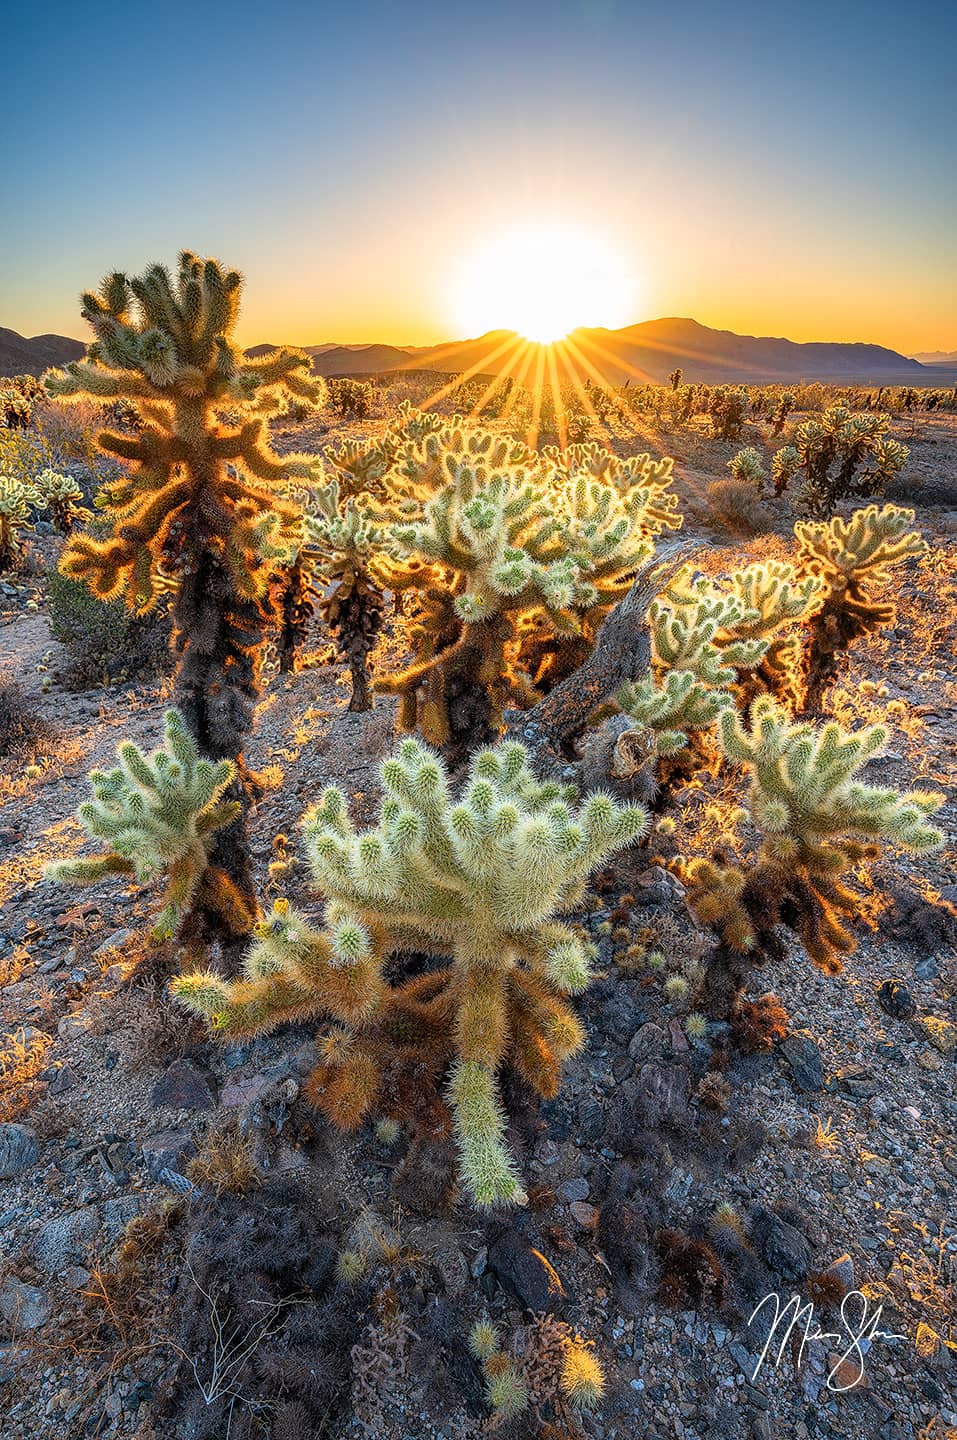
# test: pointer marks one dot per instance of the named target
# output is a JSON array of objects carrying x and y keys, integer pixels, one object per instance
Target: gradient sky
[{"x": 770, "y": 169}]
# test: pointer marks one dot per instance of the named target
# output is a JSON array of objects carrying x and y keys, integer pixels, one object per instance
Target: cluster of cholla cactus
[
  {"x": 841, "y": 455},
  {"x": 474, "y": 882},
  {"x": 196, "y": 510},
  {"x": 748, "y": 465},
  {"x": 728, "y": 407},
  {"x": 852, "y": 560},
  {"x": 16, "y": 409},
  {"x": 547, "y": 1369},
  {"x": 714, "y": 647},
  {"x": 817, "y": 822},
  {"x": 16, "y": 504},
  {"x": 348, "y": 561},
  {"x": 157, "y": 815},
  {"x": 514, "y": 558},
  {"x": 62, "y": 498}
]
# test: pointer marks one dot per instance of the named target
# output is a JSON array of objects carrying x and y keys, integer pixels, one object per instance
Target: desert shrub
[
  {"x": 352, "y": 397},
  {"x": 736, "y": 505},
  {"x": 195, "y": 516},
  {"x": 106, "y": 641},
  {"x": 474, "y": 883},
  {"x": 23, "y": 734}
]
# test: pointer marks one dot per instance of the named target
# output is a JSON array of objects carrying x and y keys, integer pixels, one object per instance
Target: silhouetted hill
[{"x": 22, "y": 356}]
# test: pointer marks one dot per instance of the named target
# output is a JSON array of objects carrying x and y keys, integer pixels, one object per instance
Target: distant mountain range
[
  {"x": 20, "y": 356},
  {"x": 645, "y": 352}
]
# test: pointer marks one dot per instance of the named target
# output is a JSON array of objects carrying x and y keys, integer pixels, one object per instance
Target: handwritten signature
[{"x": 860, "y": 1331}]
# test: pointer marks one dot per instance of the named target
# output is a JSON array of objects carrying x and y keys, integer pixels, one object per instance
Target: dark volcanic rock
[
  {"x": 185, "y": 1087},
  {"x": 803, "y": 1059},
  {"x": 895, "y": 998},
  {"x": 527, "y": 1274},
  {"x": 780, "y": 1244},
  {"x": 19, "y": 1149}
]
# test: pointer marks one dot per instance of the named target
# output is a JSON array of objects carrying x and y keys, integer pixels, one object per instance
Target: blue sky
[{"x": 770, "y": 169}]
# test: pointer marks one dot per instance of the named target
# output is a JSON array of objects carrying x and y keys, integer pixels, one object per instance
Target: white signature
[{"x": 797, "y": 1316}]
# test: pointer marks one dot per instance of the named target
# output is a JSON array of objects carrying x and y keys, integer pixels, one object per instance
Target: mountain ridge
[{"x": 644, "y": 352}]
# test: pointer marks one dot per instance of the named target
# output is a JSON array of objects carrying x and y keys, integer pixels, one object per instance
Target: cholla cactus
[
  {"x": 780, "y": 411},
  {"x": 474, "y": 881},
  {"x": 772, "y": 598},
  {"x": 728, "y": 407},
  {"x": 843, "y": 455},
  {"x": 346, "y": 554},
  {"x": 62, "y": 497},
  {"x": 748, "y": 465},
  {"x": 197, "y": 511},
  {"x": 817, "y": 822},
  {"x": 524, "y": 549},
  {"x": 158, "y": 815},
  {"x": 785, "y": 464},
  {"x": 852, "y": 560},
  {"x": 16, "y": 502},
  {"x": 16, "y": 411}
]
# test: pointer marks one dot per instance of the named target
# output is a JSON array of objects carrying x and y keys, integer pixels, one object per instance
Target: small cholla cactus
[
  {"x": 475, "y": 882},
  {"x": 583, "y": 1379},
  {"x": 841, "y": 455},
  {"x": 728, "y": 407},
  {"x": 676, "y": 377},
  {"x": 196, "y": 511},
  {"x": 785, "y": 464},
  {"x": 748, "y": 465},
  {"x": 347, "y": 556},
  {"x": 779, "y": 412},
  {"x": 157, "y": 815},
  {"x": 16, "y": 503},
  {"x": 817, "y": 822},
  {"x": 62, "y": 497},
  {"x": 16, "y": 411},
  {"x": 852, "y": 561}
]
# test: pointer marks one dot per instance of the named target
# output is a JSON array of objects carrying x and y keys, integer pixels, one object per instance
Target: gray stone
[
  {"x": 574, "y": 1189},
  {"x": 896, "y": 1000},
  {"x": 803, "y": 1059},
  {"x": 184, "y": 1087},
  {"x": 781, "y": 1245},
  {"x": 119, "y": 940},
  {"x": 23, "y": 1307},
  {"x": 527, "y": 1274},
  {"x": 65, "y": 1240},
  {"x": 647, "y": 1041},
  {"x": 19, "y": 1149},
  {"x": 169, "y": 1150}
]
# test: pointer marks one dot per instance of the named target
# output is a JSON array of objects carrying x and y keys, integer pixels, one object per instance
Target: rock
[
  {"x": 803, "y": 1059},
  {"x": 170, "y": 1150},
  {"x": 941, "y": 1034},
  {"x": 238, "y": 1093},
  {"x": 62, "y": 1080},
  {"x": 574, "y": 1189},
  {"x": 65, "y": 1240},
  {"x": 23, "y": 1307},
  {"x": 927, "y": 969},
  {"x": 72, "y": 1025},
  {"x": 527, "y": 1274},
  {"x": 845, "y": 1373},
  {"x": 859, "y": 1084},
  {"x": 930, "y": 1060},
  {"x": 664, "y": 1091},
  {"x": 19, "y": 1148},
  {"x": 896, "y": 1000},
  {"x": 781, "y": 1245},
  {"x": 843, "y": 1270},
  {"x": 119, "y": 940},
  {"x": 584, "y": 1214},
  {"x": 184, "y": 1087},
  {"x": 646, "y": 1042}
]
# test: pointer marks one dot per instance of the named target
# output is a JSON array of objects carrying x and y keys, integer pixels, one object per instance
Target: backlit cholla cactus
[
  {"x": 362, "y": 465},
  {"x": 347, "y": 558},
  {"x": 817, "y": 822},
  {"x": 853, "y": 560},
  {"x": 843, "y": 455},
  {"x": 197, "y": 510},
  {"x": 158, "y": 815},
  {"x": 475, "y": 882},
  {"x": 546, "y": 1367},
  {"x": 748, "y": 465},
  {"x": 636, "y": 475},
  {"x": 511, "y": 552},
  {"x": 728, "y": 407},
  {"x": 16, "y": 503},
  {"x": 779, "y": 411},
  {"x": 785, "y": 464},
  {"x": 62, "y": 498},
  {"x": 776, "y": 599}
]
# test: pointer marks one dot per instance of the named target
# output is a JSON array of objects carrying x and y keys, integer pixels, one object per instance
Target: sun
[{"x": 543, "y": 281}]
